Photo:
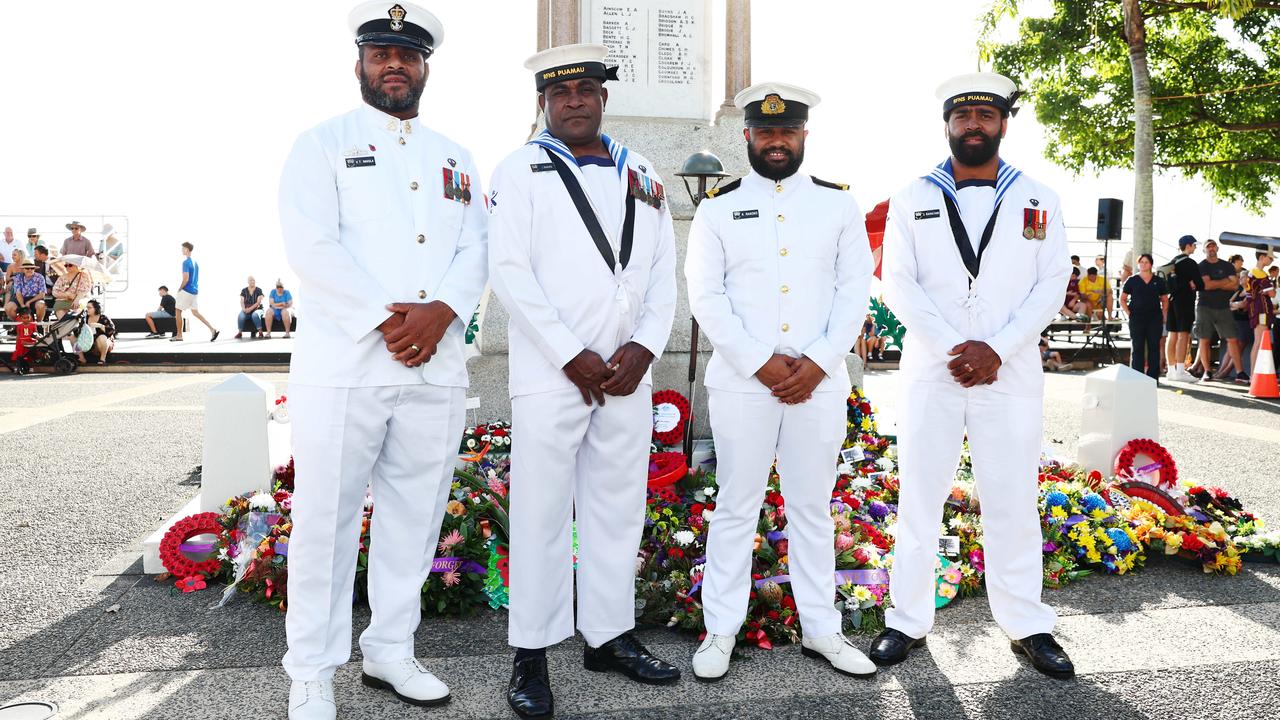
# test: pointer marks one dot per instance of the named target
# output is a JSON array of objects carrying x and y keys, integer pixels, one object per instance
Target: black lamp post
[{"x": 704, "y": 166}]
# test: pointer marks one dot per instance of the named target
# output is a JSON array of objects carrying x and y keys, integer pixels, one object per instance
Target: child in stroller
[{"x": 46, "y": 348}]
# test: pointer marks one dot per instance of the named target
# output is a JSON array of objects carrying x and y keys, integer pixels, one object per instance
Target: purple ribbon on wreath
[
  {"x": 455, "y": 564},
  {"x": 857, "y": 577}
]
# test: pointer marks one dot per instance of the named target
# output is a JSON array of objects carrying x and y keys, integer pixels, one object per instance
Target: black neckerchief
[
  {"x": 972, "y": 263},
  {"x": 592, "y": 222}
]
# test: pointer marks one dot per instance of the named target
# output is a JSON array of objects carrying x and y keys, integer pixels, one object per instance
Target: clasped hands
[
  {"x": 975, "y": 363},
  {"x": 792, "y": 380},
  {"x": 414, "y": 330},
  {"x": 621, "y": 375}
]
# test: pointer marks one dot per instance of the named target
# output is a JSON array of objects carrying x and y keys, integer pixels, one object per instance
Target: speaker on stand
[{"x": 1110, "y": 212}]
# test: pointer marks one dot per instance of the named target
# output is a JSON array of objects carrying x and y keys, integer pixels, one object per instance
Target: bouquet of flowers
[{"x": 1089, "y": 527}]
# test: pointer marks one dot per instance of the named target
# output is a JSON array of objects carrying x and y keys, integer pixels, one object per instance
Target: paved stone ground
[{"x": 91, "y": 464}]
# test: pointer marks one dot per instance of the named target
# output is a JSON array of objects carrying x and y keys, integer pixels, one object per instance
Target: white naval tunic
[
  {"x": 1015, "y": 295},
  {"x": 576, "y": 462},
  {"x": 366, "y": 222},
  {"x": 776, "y": 267}
]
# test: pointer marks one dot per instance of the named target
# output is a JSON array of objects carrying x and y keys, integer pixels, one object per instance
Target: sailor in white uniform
[
  {"x": 582, "y": 255},
  {"x": 778, "y": 269},
  {"x": 975, "y": 260},
  {"x": 384, "y": 223}
]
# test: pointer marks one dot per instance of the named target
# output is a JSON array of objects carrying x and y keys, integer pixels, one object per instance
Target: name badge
[
  {"x": 927, "y": 214},
  {"x": 366, "y": 161},
  {"x": 542, "y": 167},
  {"x": 745, "y": 214}
]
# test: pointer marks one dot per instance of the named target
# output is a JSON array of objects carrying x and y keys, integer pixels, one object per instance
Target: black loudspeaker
[{"x": 1109, "y": 212}]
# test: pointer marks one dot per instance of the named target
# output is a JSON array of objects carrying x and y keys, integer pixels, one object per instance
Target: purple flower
[
  {"x": 1050, "y": 547},
  {"x": 878, "y": 510}
]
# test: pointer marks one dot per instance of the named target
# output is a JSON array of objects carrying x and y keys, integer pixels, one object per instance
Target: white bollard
[
  {"x": 1119, "y": 406},
  {"x": 237, "y": 455}
]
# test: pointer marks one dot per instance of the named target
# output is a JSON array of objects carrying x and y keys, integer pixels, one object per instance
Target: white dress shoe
[
  {"x": 408, "y": 680},
  {"x": 312, "y": 700},
  {"x": 711, "y": 661},
  {"x": 837, "y": 650}
]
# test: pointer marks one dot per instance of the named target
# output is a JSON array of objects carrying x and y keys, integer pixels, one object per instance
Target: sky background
[{"x": 179, "y": 116}]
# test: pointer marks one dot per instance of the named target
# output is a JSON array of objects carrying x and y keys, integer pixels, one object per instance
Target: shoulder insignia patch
[
  {"x": 824, "y": 183},
  {"x": 724, "y": 189}
]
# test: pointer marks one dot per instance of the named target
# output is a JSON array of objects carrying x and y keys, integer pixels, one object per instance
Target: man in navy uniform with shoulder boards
[
  {"x": 975, "y": 259},
  {"x": 393, "y": 265},
  {"x": 778, "y": 271}
]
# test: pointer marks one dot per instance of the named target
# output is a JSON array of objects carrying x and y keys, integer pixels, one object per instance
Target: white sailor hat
[
  {"x": 981, "y": 88},
  {"x": 571, "y": 62},
  {"x": 775, "y": 104},
  {"x": 382, "y": 22}
]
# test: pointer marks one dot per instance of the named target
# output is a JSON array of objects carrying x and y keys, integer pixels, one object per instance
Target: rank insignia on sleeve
[
  {"x": 457, "y": 186},
  {"x": 1035, "y": 223},
  {"x": 645, "y": 189}
]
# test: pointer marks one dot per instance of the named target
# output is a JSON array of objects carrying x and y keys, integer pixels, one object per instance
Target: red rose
[
  {"x": 675, "y": 553},
  {"x": 788, "y": 603},
  {"x": 1191, "y": 542},
  {"x": 773, "y": 615},
  {"x": 696, "y": 509}
]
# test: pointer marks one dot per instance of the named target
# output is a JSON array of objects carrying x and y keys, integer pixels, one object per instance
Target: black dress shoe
[
  {"x": 1046, "y": 655},
  {"x": 891, "y": 647},
  {"x": 626, "y": 655},
  {"x": 529, "y": 692}
]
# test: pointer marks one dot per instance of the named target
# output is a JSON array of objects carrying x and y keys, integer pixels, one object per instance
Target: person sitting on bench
[{"x": 166, "y": 311}]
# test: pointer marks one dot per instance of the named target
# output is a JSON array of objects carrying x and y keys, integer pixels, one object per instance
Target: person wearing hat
[
  {"x": 33, "y": 240},
  {"x": 27, "y": 292},
  {"x": 582, "y": 255},
  {"x": 393, "y": 266},
  {"x": 111, "y": 249},
  {"x": 1185, "y": 282},
  {"x": 77, "y": 244},
  {"x": 778, "y": 269},
  {"x": 975, "y": 259}
]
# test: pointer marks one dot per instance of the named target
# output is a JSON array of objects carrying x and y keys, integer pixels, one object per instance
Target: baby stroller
[{"x": 49, "y": 348}]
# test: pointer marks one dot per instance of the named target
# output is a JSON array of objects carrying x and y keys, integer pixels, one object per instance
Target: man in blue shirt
[
  {"x": 281, "y": 308},
  {"x": 188, "y": 289}
]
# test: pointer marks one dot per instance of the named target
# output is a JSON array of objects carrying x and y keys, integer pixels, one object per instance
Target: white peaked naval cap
[
  {"x": 982, "y": 88},
  {"x": 775, "y": 104},
  {"x": 386, "y": 22}
]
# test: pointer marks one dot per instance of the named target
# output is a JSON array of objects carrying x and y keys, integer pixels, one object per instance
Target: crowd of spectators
[{"x": 1219, "y": 310}]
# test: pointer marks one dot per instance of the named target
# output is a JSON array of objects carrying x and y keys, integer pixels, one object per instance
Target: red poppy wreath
[
  {"x": 666, "y": 469},
  {"x": 171, "y": 555},
  {"x": 670, "y": 415},
  {"x": 1147, "y": 457}
]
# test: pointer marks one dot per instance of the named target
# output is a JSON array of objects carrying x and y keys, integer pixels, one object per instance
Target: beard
[
  {"x": 974, "y": 155},
  {"x": 770, "y": 170},
  {"x": 387, "y": 102}
]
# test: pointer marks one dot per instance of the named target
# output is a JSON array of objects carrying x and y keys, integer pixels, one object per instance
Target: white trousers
[
  {"x": 750, "y": 430},
  {"x": 1005, "y": 434},
  {"x": 402, "y": 441},
  {"x": 587, "y": 463}
]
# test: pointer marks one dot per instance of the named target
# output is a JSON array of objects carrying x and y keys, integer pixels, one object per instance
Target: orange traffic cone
[{"x": 1263, "y": 383}]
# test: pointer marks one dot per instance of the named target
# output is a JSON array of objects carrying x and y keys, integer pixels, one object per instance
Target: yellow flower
[
  {"x": 455, "y": 508},
  {"x": 862, "y": 594},
  {"x": 1058, "y": 512}
]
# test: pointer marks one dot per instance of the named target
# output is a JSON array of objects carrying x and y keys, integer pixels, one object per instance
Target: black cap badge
[{"x": 397, "y": 14}]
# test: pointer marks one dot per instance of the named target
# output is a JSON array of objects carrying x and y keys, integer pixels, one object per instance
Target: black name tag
[
  {"x": 366, "y": 161},
  {"x": 927, "y": 214},
  {"x": 745, "y": 214},
  {"x": 542, "y": 167}
]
